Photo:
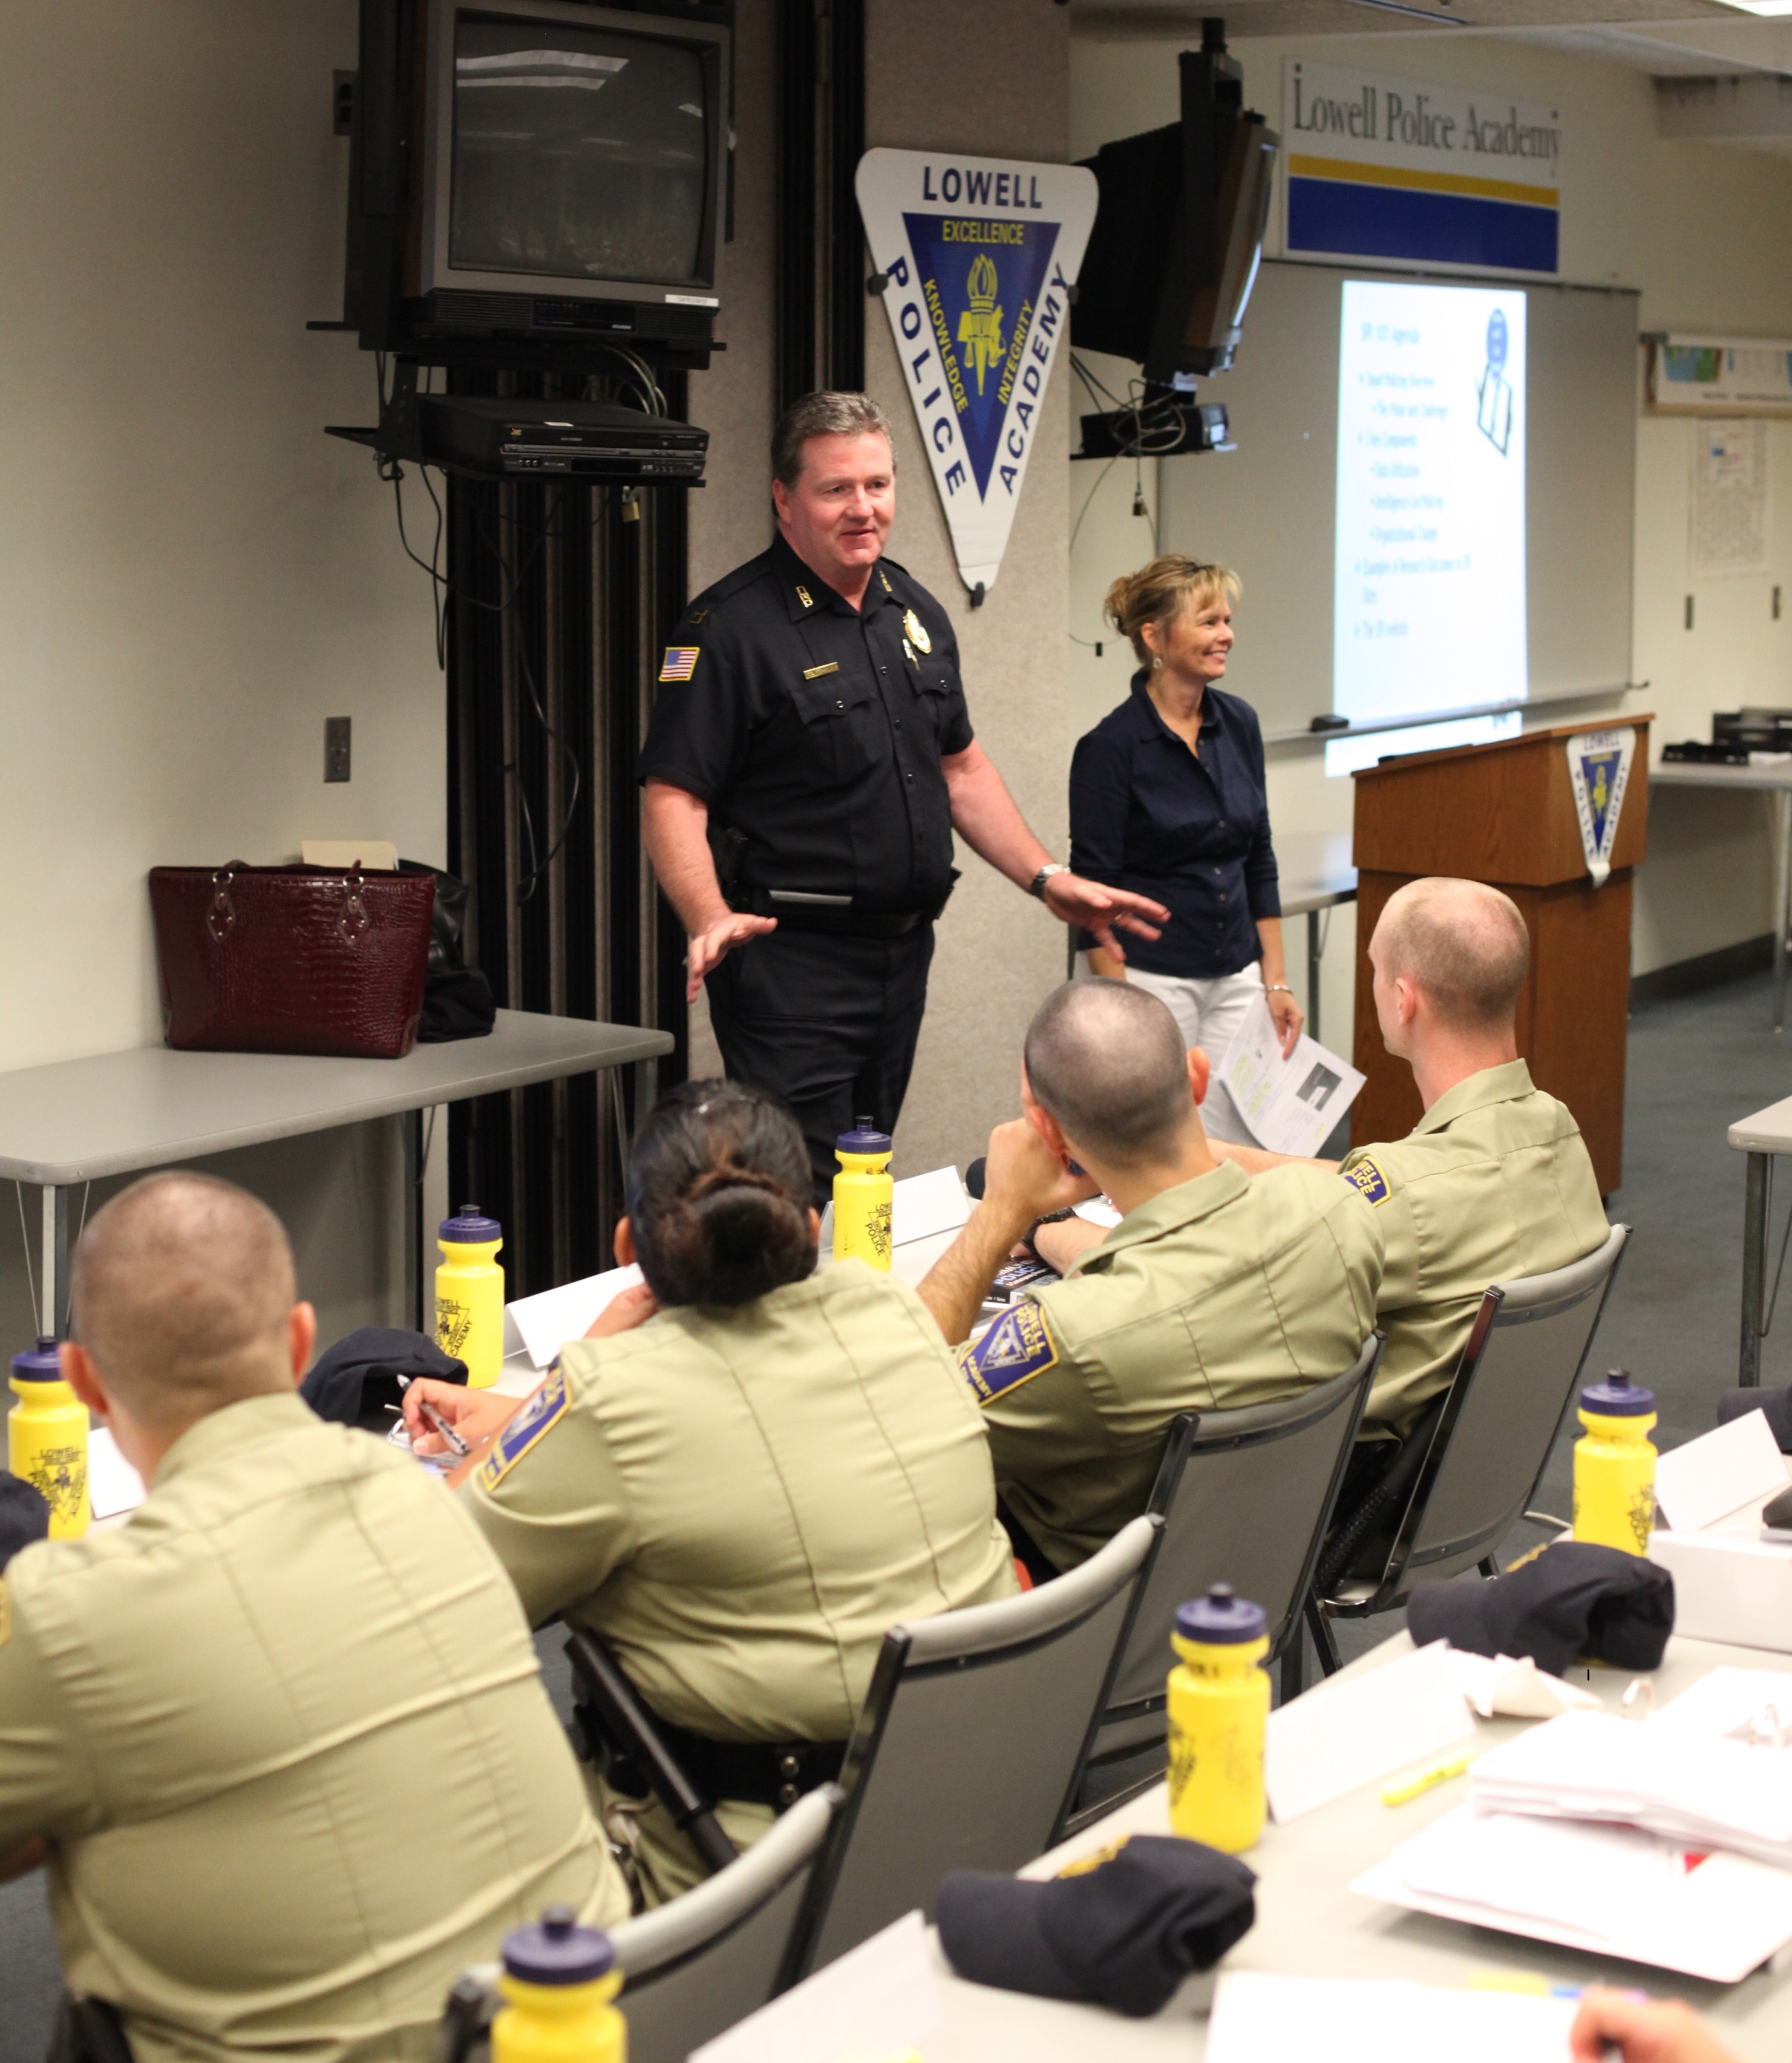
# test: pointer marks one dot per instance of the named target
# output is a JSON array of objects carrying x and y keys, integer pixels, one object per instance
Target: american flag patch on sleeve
[{"x": 681, "y": 662}]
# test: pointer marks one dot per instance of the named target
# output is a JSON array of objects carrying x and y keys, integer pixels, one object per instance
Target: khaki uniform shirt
[
  {"x": 287, "y": 1736},
  {"x": 1494, "y": 1181},
  {"x": 743, "y": 1502},
  {"x": 1225, "y": 1291}
]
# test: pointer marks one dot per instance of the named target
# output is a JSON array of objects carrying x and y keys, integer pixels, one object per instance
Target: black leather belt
[
  {"x": 834, "y": 915},
  {"x": 775, "y": 1773}
]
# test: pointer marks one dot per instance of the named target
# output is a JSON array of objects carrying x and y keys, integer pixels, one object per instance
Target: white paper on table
[
  {"x": 1098, "y": 1211},
  {"x": 1499, "y": 1686},
  {"x": 922, "y": 1205},
  {"x": 878, "y": 2001},
  {"x": 1261, "y": 2018},
  {"x": 113, "y": 1485},
  {"x": 1609, "y": 1890},
  {"x": 1718, "y": 1473},
  {"x": 545, "y": 1323},
  {"x": 1290, "y": 1105},
  {"x": 1349, "y": 1731}
]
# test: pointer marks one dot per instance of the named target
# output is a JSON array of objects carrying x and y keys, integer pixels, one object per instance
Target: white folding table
[
  {"x": 1774, "y": 780},
  {"x": 1767, "y": 1133},
  {"x": 1317, "y": 873},
  {"x": 121, "y": 1113}
]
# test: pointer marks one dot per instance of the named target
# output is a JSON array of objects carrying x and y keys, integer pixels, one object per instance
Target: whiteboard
[{"x": 1268, "y": 510}]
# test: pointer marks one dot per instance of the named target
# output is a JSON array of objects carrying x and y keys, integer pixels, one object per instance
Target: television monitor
[
  {"x": 1179, "y": 230},
  {"x": 538, "y": 168}
]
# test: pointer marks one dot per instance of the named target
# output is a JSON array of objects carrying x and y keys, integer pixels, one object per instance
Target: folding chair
[
  {"x": 1472, "y": 1464},
  {"x": 1246, "y": 1497},
  {"x": 693, "y": 1967},
  {"x": 971, "y": 1749}
]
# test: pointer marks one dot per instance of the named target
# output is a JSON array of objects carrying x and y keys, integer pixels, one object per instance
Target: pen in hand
[{"x": 437, "y": 1424}]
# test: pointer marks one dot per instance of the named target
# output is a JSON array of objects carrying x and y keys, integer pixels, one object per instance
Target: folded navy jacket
[
  {"x": 1123, "y": 1934},
  {"x": 1572, "y": 1599}
]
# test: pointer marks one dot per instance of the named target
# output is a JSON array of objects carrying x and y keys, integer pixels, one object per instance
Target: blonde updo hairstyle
[{"x": 1160, "y": 591}]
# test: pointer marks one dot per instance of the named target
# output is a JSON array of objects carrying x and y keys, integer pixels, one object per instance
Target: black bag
[{"x": 457, "y": 1000}]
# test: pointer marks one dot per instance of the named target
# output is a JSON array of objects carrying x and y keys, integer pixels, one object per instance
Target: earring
[{"x": 1157, "y": 662}]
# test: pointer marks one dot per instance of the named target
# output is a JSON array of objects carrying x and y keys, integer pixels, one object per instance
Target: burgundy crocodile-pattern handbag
[{"x": 291, "y": 959}]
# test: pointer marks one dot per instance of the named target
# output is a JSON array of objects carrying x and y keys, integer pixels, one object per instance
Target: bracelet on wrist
[{"x": 1277, "y": 988}]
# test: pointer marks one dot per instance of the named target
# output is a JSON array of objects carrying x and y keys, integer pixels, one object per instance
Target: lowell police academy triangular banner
[
  {"x": 1599, "y": 771},
  {"x": 980, "y": 254}
]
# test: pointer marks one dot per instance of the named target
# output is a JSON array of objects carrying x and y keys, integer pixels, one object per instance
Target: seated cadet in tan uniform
[
  {"x": 282, "y": 1736},
  {"x": 747, "y": 1474},
  {"x": 1213, "y": 1291},
  {"x": 1494, "y": 1181}
]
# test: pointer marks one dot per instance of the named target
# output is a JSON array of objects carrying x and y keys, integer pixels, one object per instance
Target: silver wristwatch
[{"x": 1036, "y": 885}]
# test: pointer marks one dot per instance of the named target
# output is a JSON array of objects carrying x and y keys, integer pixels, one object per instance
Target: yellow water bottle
[
  {"x": 1614, "y": 1464},
  {"x": 863, "y": 1195},
  {"x": 558, "y": 1980},
  {"x": 1219, "y": 1705},
  {"x": 46, "y": 1439},
  {"x": 469, "y": 1294}
]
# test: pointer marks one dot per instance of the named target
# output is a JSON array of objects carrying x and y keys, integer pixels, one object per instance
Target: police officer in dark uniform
[{"x": 809, "y": 756}]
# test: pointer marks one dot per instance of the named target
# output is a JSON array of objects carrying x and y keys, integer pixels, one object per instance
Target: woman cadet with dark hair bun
[{"x": 747, "y": 1472}]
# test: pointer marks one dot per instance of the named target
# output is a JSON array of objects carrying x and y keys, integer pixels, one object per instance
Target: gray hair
[
  {"x": 825, "y": 415},
  {"x": 1464, "y": 942},
  {"x": 1107, "y": 1061}
]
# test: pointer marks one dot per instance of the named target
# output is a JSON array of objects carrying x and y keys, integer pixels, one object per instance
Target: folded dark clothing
[
  {"x": 1573, "y": 1598},
  {"x": 1774, "y": 1406},
  {"x": 353, "y": 1382},
  {"x": 1123, "y": 1934},
  {"x": 24, "y": 1515}
]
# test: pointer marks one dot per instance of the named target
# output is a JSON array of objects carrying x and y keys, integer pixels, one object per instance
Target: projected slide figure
[{"x": 1429, "y": 607}]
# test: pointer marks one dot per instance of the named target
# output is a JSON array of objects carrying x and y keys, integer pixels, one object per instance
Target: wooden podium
[{"x": 1505, "y": 813}]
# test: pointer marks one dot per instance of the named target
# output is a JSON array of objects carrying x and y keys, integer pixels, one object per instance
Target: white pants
[{"x": 1207, "y": 1013}]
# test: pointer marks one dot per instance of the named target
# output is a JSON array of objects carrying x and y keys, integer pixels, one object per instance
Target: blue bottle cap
[
  {"x": 864, "y": 1138},
  {"x": 41, "y": 1364},
  {"x": 1220, "y": 1618},
  {"x": 469, "y": 1228},
  {"x": 558, "y": 1951},
  {"x": 1617, "y": 1397}
]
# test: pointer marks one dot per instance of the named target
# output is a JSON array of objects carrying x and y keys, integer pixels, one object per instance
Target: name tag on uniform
[
  {"x": 816, "y": 673},
  {"x": 1368, "y": 1181},
  {"x": 1015, "y": 1348},
  {"x": 544, "y": 1411}
]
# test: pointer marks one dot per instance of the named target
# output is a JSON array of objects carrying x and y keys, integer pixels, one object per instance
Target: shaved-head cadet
[
  {"x": 281, "y": 1738},
  {"x": 809, "y": 757},
  {"x": 1213, "y": 1291}
]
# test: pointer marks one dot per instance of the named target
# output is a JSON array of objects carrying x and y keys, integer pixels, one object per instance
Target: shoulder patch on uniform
[
  {"x": 544, "y": 1409},
  {"x": 1015, "y": 1348},
  {"x": 679, "y": 662},
  {"x": 1368, "y": 1181}
]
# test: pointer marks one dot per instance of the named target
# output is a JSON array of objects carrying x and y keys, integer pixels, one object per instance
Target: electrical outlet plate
[{"x": 337, "y": 743}]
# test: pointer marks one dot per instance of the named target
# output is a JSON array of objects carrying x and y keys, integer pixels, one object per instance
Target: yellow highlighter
[{"x": 1428, "y": 1780}]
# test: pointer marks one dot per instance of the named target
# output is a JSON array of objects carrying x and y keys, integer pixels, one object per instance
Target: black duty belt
[
  {"x": 832, "y": 913},
  {"x": 775, "y": 1773}
]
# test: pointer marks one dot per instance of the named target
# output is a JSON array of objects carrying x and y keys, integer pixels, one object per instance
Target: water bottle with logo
[
  {"x": 46, "y": 1439},
  {"x": 1219, "y": 1705},
  {"x": 557, "y": 1983},
  {"x": 863, "y": 1195},
  {"x": 469, "y": 1294},
  {"x": 1614, "y": 1464}
]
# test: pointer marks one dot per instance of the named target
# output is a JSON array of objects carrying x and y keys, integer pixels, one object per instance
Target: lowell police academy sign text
[
  {"x": 1379, "y": 114},
  {"x": 982, "y": 188}
]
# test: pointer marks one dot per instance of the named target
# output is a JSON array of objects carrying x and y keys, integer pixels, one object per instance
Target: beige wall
[
  {"x": 1004, "y": 93},
  {"x": 1705, "y": 232},
  {"x": 192, "y": 576}
]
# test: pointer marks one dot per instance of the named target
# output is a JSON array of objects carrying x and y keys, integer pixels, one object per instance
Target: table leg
[
  {"x": 1754, "y": 1270},
  {"x": 411, "y": 1127},
  {"x": 1314, "y": 955},
  {"x": 53, "y": 1277},
  {"x": 1782, "y": 899},
  {"x": 647, "y": 1092}
]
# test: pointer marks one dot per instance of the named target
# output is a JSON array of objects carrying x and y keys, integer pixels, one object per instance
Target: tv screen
[{"x": 579, "y": 154}]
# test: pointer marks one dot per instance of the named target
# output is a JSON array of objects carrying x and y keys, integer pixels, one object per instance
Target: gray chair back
[
  {"x": 1518, "y": 1375},
  {"x": 972, "y": 1746},
  {"x": 1245, "y": 1497},
  {"x": 693, "y": 1967}
]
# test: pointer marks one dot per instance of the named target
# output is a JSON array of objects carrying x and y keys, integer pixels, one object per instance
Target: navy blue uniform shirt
[
  {"x": 816, "y": 729},
  {"x": 1192, "y": 833}
]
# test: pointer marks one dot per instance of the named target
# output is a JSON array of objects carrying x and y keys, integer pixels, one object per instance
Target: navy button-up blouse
[{"x": 1192, "y": 833}]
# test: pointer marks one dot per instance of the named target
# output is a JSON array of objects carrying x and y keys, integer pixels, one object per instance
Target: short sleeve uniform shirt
[
  {"x": 1494, "y": 1181},
  {"x": 816, "y": 729},
  {"x": 1225, "y": 1291}
]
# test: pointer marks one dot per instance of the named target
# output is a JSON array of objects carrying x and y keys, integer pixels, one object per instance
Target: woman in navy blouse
[{"x": 1167, "y": 799}]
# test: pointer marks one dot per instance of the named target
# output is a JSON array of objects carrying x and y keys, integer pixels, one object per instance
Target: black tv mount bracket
[{"x": 399, "y": 433}]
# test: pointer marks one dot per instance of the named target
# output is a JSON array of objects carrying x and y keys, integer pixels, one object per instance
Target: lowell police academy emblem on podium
[
  {"x": 1599, "y": 772},
  {"x": 979, "y": 256}
]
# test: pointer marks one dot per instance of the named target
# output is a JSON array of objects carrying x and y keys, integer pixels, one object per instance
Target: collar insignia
[{"x": 803, "y": 597}]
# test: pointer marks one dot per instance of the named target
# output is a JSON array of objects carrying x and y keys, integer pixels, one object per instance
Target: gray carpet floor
[{"x": 1696, "y": 1064}]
